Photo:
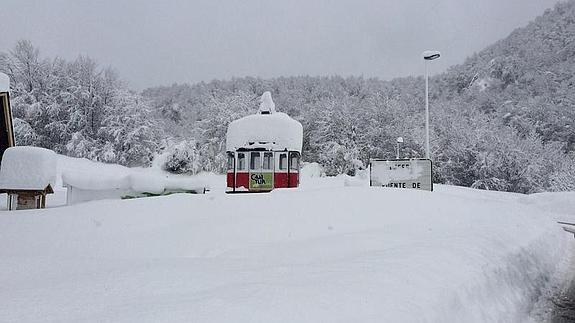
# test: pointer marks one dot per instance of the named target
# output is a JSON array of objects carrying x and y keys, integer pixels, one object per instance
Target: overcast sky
[{"x": 162, "y": 42}]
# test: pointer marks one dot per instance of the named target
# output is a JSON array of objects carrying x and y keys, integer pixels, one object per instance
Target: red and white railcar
[{"x": 263, "y": 150}]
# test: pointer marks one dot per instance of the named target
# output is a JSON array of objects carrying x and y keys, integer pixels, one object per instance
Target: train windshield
[
  {"x": 294, "y": 161},
  {"x": 255, "y": 161},
  {"x": 241, "y": 161},
  {"x": 230, "y": 161},
  {"x": 283, "y": 162}
]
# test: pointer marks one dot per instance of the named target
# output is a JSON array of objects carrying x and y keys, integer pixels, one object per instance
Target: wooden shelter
[{"x": 19, "y": 199}]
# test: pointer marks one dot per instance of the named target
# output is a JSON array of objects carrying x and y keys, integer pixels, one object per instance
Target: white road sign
[{"x": 402, "y": 173}]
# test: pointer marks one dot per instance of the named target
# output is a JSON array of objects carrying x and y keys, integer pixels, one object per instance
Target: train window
[
  {"x": 283, "y": 162},
  {"x": 255, "y": 162},
  {"x": 294, "y": 161},
  {"x": 268, "y": 161},
  {"x": 241, "y": 161},
  {"x": 230, "y": 161}
]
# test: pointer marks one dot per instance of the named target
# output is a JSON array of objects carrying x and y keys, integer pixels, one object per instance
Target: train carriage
[{"x": 263, "y": 150}]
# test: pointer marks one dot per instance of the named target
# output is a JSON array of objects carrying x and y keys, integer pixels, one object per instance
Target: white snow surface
[
  {"x": 4, "y": 82},
  {"x": 276, "y": 128},
  {"x": 28, "y": 168},
  {"x": 324, "y": 252},
  {"x": 312, "y": 170}
]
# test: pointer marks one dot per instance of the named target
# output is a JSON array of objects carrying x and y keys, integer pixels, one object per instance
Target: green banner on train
[{"x": 261, "y": 181}]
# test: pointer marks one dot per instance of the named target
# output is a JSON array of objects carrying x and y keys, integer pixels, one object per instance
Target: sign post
[
  {"x": 261, "y": 181},
  {"x": 6, "y": 128},
  {"x": 401, "y": 173}
]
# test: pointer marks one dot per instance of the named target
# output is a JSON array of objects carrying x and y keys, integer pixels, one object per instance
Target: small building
[
  {"x": 263, "y": 150},
  {"x": 123, "y": 183},
  {"x": 27, "y": 175},
  {"x": 97, "y": 185}
]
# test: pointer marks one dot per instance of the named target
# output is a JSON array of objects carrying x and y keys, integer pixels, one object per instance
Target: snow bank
[
  {"x": 82, "y": 169},
  {"x": 148, "y": 183},
  {"x": 360, "y": 179},
  {"x": 186, "y": 184},
  {"x": 335, "y": 253},
  {"x": 28, "y": 168},
  {"x": 311, "y": 170},
  {"x": 4, "y": 82}
]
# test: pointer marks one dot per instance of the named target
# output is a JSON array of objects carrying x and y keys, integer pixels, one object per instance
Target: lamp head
[{"x": 430, "y": 55}]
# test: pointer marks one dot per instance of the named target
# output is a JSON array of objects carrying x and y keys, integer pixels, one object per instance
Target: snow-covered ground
[{"x": 327, "y": 252}]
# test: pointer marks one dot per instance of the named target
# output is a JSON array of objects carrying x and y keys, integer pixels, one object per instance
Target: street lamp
[
  {"x": 399, "y": 141},
  {"x": 428, "y": 55}
]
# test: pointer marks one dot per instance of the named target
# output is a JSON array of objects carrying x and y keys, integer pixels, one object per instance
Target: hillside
[
  {"x": 527, "y": 78},
  {"x": 502, "y": 120}
]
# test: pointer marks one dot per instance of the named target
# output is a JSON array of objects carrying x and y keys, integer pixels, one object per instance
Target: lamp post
[
  {"x": 428, "y": 55},
  {"x": 399, "y": 141}
]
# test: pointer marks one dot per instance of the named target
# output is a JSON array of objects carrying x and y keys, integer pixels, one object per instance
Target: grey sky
[{"x": 161, "y": 42}]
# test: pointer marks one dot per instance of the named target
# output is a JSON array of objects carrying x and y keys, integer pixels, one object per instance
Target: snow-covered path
[{"x": 321, "y": 253}]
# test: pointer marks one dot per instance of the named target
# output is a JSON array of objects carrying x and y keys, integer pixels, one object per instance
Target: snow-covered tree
[{"x": 182, "y": 158}]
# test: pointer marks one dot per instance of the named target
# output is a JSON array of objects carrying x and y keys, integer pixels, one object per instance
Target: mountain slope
[
  {"x": 528, "y": 78},
  {"x": 502, "y": 120}
]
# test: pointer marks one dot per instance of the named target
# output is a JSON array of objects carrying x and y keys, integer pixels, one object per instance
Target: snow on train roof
[
  {"x": 268, "y": 128},
  {"x": 277, "y": 130}
]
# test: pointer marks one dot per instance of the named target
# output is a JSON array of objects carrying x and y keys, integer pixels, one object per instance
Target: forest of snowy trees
[
  {"x": 502, "y": 120},
  {"x": 77, "y": 108}
]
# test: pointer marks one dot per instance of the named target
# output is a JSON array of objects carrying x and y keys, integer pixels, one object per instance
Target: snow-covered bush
[
  {"x": 338, "y": 159},
  {"x": 182, "y": 158},
  {"x": 564, "y": 178}
]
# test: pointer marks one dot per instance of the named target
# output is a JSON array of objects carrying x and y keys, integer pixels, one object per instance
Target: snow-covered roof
[
  {"x": 4, "y": 82},
  {"x": 268, "y": 128},
  {"x": 27, "y": 168},
  {"x": 131, "y": 181},
  {"x": 96, "y": 180},
  {"x": 277, "y": 129}
]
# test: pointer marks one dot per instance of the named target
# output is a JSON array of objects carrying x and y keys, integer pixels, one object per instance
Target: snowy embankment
[{"x": 324, "y": 252}]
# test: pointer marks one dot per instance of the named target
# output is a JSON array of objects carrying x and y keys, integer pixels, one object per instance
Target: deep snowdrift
[{"x": 324, "y": 252}]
